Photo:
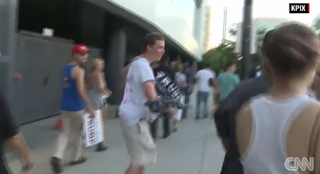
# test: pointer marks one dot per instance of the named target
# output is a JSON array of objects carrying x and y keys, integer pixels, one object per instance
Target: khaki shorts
[{"x": 140, "y": 144}]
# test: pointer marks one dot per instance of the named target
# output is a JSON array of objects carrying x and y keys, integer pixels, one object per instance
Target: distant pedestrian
[
  {"x": 181, "y": 82},
  {"x": 188, "y": 89},
  {"x": 227, "y": 80},
  {"x": 205, "y": 80}
]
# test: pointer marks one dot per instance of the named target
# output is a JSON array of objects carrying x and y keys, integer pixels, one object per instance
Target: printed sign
[{"x": 92, "y": 129}]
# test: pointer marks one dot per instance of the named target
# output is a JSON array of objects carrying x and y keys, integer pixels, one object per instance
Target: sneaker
[
  {"x": 79, "y": 161},
  {"x": 56, "y": 165}
]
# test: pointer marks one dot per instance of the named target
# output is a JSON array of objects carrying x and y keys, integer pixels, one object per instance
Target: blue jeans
[{"x": 202, "y": 97}]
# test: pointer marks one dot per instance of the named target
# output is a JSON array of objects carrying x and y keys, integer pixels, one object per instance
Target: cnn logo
[{"x": 302, "y": 164}]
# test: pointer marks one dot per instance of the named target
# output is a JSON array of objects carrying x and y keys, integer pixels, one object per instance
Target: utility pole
[
  {"x": 246, "y": 34},
  {"x": 224, "y": 34}
]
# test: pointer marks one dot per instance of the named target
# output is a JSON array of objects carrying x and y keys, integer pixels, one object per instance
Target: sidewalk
[{"x": 193, "y": 147}]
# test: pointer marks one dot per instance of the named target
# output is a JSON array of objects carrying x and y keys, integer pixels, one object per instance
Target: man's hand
[
  {"x": 109, "y": 92},
  {"x": 92, "y": 114},
  {"x": 27, "y": 163}
]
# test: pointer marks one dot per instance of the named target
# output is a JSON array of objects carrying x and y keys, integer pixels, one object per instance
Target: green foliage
[
  {"x": 225, "y": 52},
  {"x": 316, "y": 27}
]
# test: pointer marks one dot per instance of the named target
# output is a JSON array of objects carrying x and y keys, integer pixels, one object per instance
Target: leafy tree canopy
[{"x": 225, "y": 52}]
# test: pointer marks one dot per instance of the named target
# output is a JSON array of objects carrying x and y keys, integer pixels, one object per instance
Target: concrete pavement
[{"x": 194, "y": 149}]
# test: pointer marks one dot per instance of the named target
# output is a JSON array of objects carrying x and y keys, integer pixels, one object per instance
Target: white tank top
[{"x": 271, "y": 120}]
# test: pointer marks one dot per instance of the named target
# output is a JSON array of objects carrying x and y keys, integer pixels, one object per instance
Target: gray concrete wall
[{"x": 40, "y": 61}]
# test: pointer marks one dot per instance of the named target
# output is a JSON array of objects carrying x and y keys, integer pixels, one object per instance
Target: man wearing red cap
[{"x": 74, "y": 101}]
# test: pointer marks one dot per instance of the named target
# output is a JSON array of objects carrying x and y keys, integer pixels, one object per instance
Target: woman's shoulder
[
  {"x": 95, "y": 75},
  {"x": 313, "y": 108},
  {"x": 246, "y": 108}
]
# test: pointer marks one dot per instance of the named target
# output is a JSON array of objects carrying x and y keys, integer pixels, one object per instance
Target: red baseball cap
[{"x": 80, "y": 49}]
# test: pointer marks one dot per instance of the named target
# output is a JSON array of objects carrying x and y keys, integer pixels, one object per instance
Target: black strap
[{"x": 313, "y": 142}]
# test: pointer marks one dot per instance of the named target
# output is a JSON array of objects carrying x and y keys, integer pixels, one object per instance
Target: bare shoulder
[
  {"x": 310, "y": 112},
  {"x": 244, "y": 117},
  {"x": 78, "y": 69},
  {"x": 244, "y": 127},
  {"x": 77, "y": 72},
  {"x": 245, "y": 111},
  {"x": 300, "y": 130}
]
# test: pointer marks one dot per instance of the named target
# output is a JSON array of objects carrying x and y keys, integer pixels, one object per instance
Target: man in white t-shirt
[
  {"x": 205, "y": 79},
  {"x": 140, "y": 88}
]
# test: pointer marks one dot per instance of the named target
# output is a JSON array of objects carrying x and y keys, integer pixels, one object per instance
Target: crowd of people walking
[{"x": 261, "y": 121}]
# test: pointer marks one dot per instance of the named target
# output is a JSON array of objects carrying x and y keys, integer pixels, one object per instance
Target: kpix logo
[{"x": 299, "y": 8}]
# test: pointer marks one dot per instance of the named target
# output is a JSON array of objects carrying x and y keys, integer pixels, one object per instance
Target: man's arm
[
  {"x": 78, "y": 75},
  {"x": 148, "y": 81},
  {"x": 11, "y": 134}
]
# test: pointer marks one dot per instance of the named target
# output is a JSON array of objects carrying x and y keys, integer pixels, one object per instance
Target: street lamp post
[{"x": 245, "y": 42}]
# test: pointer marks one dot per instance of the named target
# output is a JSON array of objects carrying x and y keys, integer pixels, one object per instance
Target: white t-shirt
[
  {"x": 258, "y": 74},
  {"x": 203, "y": 77},
  {"x": 180, "y": 78},
  {"x": 132, "y": 107}
]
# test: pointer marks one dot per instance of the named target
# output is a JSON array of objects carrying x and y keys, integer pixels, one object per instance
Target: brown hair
[
  {"x": 266, "y": 39},
  {"x": 177, "y": 66},
  {"x": 151, "y": 38},
  {"x": 95, "y": 62},
  {"x": 230, "y": 63},
  {"x": 293, "y": 49}
]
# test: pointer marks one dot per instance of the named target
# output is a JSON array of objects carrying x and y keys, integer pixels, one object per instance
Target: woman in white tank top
[{"x": 279, "y": 125}]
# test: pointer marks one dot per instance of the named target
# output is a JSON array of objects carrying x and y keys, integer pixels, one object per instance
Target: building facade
[
  {"x": 207, "y": 28},
  {"x": 113, "y": 29}
]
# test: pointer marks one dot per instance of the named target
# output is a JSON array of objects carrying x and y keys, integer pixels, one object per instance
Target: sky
[{"x": 261, "y": 8}]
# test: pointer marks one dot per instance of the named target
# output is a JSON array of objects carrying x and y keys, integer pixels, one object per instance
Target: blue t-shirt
[{"x": 70, "y": 100}]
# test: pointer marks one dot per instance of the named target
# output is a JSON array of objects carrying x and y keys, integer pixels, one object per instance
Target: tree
[
  {"x": 222, "y": 54},
  {"x": 225, "y": 52},
  {"x": 256, "y": 57},
  {"x": 316, "y": 27}
]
